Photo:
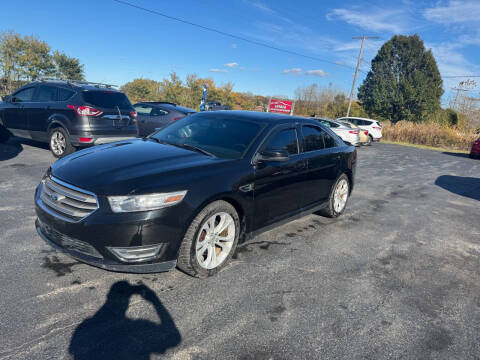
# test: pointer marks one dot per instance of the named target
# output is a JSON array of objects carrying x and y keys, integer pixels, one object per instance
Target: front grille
[
  {"x": 66, "y": 201},
  {"x": 68, "y": 242}
]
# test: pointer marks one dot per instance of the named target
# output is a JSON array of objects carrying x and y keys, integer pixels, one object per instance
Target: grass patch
[{"x": 426, "y": 147}]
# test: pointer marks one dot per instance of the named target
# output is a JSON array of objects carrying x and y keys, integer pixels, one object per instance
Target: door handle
[{"x": 301, "y": 165}]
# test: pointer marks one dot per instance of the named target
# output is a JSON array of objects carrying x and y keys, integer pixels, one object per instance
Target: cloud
[
  {"x": 218, "y": 70},
  {"x": 231, "y": 65},
  {"x": 233, "y": 46},
  {"x": 294, "y": 71},
  {"x": 392, "y": 21},
  {"x": 318, "y": 72},
  {"x": 457, "y": 11}
]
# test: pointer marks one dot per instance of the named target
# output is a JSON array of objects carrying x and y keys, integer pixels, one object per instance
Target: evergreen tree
[{"x": 404, "y": 82}]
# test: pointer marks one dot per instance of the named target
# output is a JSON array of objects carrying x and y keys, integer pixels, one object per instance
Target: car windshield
[{"x": 222, "y": 137}]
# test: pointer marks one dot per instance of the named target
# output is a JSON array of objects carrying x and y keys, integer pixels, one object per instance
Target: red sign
[{"x": 280, "y": 106}]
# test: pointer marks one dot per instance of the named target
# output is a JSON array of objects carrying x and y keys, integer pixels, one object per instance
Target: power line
[
  {"x": 461, "y": 76},
  {"x": 224, "y": 33}
]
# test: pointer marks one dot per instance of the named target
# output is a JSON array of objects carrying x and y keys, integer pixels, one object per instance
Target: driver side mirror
[
  {"x": 273, "y": 155},
  {"x": 6, "y": 98}
]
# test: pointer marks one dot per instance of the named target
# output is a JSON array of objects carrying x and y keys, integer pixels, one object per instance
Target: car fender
[{"x": 55, "y": 120}]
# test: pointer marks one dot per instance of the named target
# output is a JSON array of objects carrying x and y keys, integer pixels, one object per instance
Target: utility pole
[{"x": 356, "y": 69}]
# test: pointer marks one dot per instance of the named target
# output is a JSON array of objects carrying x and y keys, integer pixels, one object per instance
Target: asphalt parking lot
[{"x": 396, "y": 277}]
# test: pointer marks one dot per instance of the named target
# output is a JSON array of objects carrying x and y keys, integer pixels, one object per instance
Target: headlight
[{"x": 145, "y": 202}]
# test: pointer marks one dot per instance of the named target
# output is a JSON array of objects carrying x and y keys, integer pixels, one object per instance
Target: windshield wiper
[{"x": 184, "y": 146}]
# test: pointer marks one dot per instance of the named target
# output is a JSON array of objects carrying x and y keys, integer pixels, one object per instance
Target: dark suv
[
  {"x": 153, "y": 115},
  {"x": 67, "y": 114}
]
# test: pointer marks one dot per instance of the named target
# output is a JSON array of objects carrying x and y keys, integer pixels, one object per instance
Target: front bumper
[
  {"x": 106, "y": 265},
  {"x": 90, "y": 239}
]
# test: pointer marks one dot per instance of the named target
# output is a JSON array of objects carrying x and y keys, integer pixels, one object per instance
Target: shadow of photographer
[{"x": 109, "y": 334}]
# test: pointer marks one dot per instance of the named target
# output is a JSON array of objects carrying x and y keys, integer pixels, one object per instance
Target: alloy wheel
[
  {"x": 340, "y": 196},
  {"x": 58, "y": 143},
  {"x": 215, "y": 240}
]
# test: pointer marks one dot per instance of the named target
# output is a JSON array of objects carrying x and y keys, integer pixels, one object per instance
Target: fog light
[{"x": 136, "y": 253}]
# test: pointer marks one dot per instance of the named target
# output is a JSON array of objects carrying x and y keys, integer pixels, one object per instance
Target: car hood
[{"x": 131, "y": 166}]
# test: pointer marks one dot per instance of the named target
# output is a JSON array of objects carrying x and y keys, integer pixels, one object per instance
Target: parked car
[
  {"x": 475, "y": 152},
  {"x": 345, "y": 132},
  {"x": 363, "y": 134},
  {"x": 67, "y": 115},
  {"x": 187, "y": 194},
  {"x": 153, "y": 115},
  {"x": 214, "y": 106},
  {"x": 374, "y": 127}
]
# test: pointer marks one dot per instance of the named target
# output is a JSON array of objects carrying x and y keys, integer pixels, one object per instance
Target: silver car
[{"x": 344, "y": 132}]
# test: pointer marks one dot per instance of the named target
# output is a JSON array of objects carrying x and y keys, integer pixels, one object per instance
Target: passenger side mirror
[
  {"x": 6, "y": 98},
  {"x": 273, "y": 155}
]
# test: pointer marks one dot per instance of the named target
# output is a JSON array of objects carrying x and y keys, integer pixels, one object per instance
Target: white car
[
  {"x": 373, "y": 126},
  {"x": 344, "y": 132}
]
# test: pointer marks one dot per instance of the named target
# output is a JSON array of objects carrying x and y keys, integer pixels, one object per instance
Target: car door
[
  {"x": 38, "y": 112},
  {"x": 322, "y": 154},
  {"x": 14, "y": 115},
  {"x": 278, "y": 186}
]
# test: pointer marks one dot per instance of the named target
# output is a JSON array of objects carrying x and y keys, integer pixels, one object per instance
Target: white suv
[{"x": 374, "y": 127}]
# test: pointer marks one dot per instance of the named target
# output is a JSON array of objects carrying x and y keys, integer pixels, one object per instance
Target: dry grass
[{"x": 429, "y": 134}]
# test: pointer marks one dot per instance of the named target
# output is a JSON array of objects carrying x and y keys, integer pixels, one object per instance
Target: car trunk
[{"x": 115, "y": 107}]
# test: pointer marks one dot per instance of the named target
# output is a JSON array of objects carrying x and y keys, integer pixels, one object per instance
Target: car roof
[
  {"x": 253, "y": 115},
  {"x": 356, "y": 117},
  {"x": 79, "y": 85},
  {"x": 167, "y": 105}
]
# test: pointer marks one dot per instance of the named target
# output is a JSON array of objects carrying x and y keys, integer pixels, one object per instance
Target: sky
[{"x": 118, "y": 43}]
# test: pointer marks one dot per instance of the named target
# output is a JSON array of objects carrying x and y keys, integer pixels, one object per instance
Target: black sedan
[
  {"x": 188, "y": 194},
  {"x": 154, "y": 115}
]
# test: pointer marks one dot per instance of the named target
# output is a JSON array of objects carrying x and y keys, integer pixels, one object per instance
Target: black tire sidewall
[
  {"x": 4, "y": 134},
  {"x": 190, "y": 238},
  {"x": 329, "y": 211}
]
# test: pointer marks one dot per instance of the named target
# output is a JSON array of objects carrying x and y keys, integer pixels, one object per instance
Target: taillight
[
  {"x": 85, "y": 110},
  {"x": 356, "y": 132},
  {"x": 376, "y": 127},
  {"x": 133, "y": 114},
  {"x": 84, "y": 139},
  {"x": 177, "y": 118},
  {"x": 366, "y": 132}
]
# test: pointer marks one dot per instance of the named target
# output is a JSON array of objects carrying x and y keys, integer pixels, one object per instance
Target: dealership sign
[{"x": 281, "y": 107}]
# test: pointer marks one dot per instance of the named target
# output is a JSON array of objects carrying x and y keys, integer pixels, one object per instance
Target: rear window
[{"x": 107, "y": 99}]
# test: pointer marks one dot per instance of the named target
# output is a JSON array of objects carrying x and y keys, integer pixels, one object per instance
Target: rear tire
[
  {"x": 59, "y": 142},
  {"x": 4, "y": 134},
  {"x": 337, "y": 201},
  {"x": 369, "y": 141},
  {"x": 214, "y": 230}
]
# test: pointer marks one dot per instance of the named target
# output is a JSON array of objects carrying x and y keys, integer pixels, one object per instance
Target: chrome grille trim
[{"x": 66, "y": 201}]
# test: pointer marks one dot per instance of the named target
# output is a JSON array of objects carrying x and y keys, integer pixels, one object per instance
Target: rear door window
[
  {"x": 46, "y": 93},
  {"x": 284, "y": 140},
  {"x": 25, "y": 94},
  {"x": 328, "y": 140},
  {"x": 312, "y": 138},
  {"x": 107, "y": 99},
  {"x": 64, "y": 94}
]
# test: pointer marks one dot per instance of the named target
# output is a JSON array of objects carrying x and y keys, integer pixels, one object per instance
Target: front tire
[
  {"x": 210, "y": 240},
  {"x": 337, "y": 201},
  {"x": 60, "y": 143}
]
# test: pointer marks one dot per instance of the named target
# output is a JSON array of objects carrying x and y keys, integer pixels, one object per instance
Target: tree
[
  {"x": 67, "y": 67},
  {"x": 142, "y": 90},
  {"x": 35, "y": 59},
  {"x": 404, "y": 82},
  {"x": 172, "y": 89}
]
